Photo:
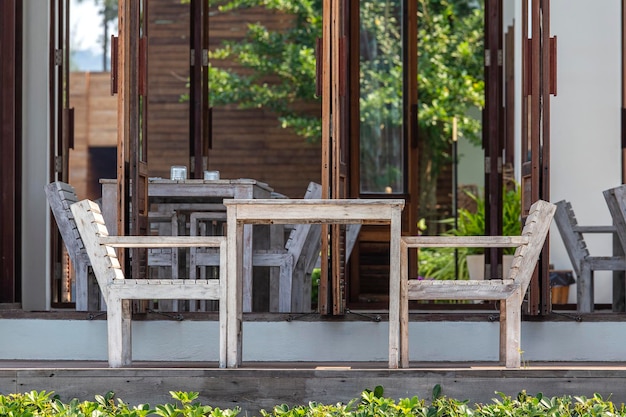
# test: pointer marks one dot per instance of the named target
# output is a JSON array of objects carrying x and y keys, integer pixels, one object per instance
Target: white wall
[
  {"x": 585, "y": 121},
  {"x": 35, "y": 146},
  {"x": 351, "y": 341}
]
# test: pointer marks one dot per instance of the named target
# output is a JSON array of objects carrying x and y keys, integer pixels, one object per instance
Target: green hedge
[{"x": 371, "y": 403}]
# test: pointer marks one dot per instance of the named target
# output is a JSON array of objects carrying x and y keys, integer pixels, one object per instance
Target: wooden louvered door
[
  {"x": 200, "y": 114},
  {"x": 538, "y": 83},
  {"x": 62, "y": 134},
  {"x": 366, "y": 153},
  {"x": 132, "y": 170},
  {"x": 335, "y": 149},
  {"x": 10, "y": 155}
]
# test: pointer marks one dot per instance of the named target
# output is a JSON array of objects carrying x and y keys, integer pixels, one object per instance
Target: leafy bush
[{"x": 371, "y": 404}]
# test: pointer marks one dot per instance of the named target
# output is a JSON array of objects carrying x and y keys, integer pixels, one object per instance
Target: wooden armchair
[
  {"x": 118, "y": 290},
  {"x": 583, "y": 263},
  {"x": 510, "y": 291},
  {"x": 60, "y": 197}
]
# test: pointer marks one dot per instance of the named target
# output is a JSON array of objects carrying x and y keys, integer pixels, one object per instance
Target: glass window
[{"x": 380, "y": 98}]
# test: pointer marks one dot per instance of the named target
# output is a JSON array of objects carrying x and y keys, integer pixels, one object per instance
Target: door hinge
[
  {"x": 488, "y": 165},
  {"x": 58, "y": 57},
  {"x": 500, "y": 57},
  {"x": 205, "y": 57},
  {"x": 58, "y": 164}
]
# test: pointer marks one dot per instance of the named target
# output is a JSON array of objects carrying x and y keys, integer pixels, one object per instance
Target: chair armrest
[
  {"x": 465, "y": 241},
  {"x": 594, "y": 229},
  {"x": 162, "y": 241}
]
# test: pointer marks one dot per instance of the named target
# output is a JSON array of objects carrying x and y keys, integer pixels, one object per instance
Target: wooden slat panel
[{"x": 246, "y": 143}]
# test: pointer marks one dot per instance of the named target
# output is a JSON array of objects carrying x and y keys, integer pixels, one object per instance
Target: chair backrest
[
  {"x": 304, "y": 240},
  {"x": 60, "y": 197},
  {"x": 616, "y": 202},
  {"x": 536, "y": 228},
  {"x": 573, "y": 240},
  {"x": 91, "y": 227}
]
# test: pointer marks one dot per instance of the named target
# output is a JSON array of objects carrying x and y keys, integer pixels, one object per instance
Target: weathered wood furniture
[
  {"x": 282, "y": 299},
  {"x": 87, "y": 295},
  {"x": 290, "y": 291},
  {"x": 241, "y": 213},
  {"x": 583, "y": 263},
  {"x": 189, "y": 196},
  {"x": 199, "y": 259},
  {"x": 616, "y": 202},
  {"x": 117, "y": 290},
  {"x": 60, "y": 197},
  {"x": 509, "y": 291}
]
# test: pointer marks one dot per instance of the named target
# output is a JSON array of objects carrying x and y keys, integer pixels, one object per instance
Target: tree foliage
[
  {"x": 450, "y": 83},
  {"x": 281, "y": 64},
  {"x": 276, "y": 71},
  {"x": 450, "y": 66}
]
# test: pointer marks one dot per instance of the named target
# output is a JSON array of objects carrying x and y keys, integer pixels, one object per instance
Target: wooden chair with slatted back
[
  {"x": 510, "y": 291},
  {"x": 118, "y": 289}
]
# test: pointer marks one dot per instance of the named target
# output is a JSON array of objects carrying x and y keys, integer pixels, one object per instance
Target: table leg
[
  {"x": 234, "y": 314},
  {"x": 394, "y": 288}
]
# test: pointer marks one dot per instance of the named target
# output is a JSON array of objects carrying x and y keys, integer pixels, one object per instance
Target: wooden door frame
[
  {"x": 493, "y": 128},
  {"x": 537, "y": 85},
  {"x": 10, "y": 149},
  {"x": 340, "y": 129},
  {"x": 200, "y": 114}
]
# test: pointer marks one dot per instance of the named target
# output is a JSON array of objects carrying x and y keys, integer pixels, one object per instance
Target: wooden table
[
  {"x": 193, "y": 195},
  {"x": 243, "y": 213}
]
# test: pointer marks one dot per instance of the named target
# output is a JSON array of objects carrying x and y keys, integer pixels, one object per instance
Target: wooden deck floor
[{"x": 258, "y": 386}]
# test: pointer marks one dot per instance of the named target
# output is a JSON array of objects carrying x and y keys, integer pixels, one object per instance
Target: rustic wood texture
[
  {"x": 307, "y": 211},
  {"x": 615, "y": 200},
  {"x": 60, "y": 197},
  {"x": 197, "y": 196},
  {"x": 117, "y": 289},
  {"x": 509, "y": 291},
  {"x": 583, "y": 263}
]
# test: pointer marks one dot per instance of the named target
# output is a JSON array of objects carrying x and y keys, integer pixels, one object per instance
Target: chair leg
[
  {"x": 281, "y": 285},
  {"x": 81, "y": 272},
  {"x": 404, "y": 323},
  {"x": 584, "y": 289},
  {"x": 119, "y": 332},
  {"x": 510, "y": 330},
  {"x": 399, "y": 338}
]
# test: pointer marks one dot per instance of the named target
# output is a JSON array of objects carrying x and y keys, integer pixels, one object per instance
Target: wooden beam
[
  {"x": 10, "y": 184},
  {"x": 492, "y": 129}
]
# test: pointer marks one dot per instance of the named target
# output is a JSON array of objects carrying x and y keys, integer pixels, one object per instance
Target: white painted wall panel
[{"x": 585, "y": 123}]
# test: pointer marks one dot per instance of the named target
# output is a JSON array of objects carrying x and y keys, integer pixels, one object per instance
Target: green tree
[
  {"x": 281, "y": 64},
  {"x": 450, "y": 83},
  {"x": 279, "y": 72}
]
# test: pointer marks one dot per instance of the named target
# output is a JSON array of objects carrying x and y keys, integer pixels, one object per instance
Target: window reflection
[{"x": 380, "y": 98}]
